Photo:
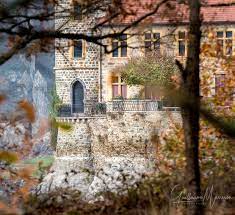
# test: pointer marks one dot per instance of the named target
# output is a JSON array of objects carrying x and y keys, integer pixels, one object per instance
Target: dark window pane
[
  {"x": 181, "y": 48},
  {"x": 181, "y": 35},
  {"x": 78, "y": 49},
  {"x": 115, "y": 49},
  {"x": 78, "y": 97},
  {"x": 147, "y": 46},
  {"x": 220, "y": 34},
  {"x": 123, "y": 49},
  {"x": 147, "y": 36},
  {"x": 156, "y": 36},
  {"x": 157, "y": 45},
  {"x": 77, "y": 12},
  {"x": 229, "y": 34},
  {"x": 123, "y": 37}
]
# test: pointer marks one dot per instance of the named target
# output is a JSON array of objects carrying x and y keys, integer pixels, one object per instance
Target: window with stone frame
[
  {"x": 119, "y": 46},
  {"x": 77, "y": 49},
  {"x": 182, "y": 43},
  {"x": 119, "y": 88},
  {"x": 224, "y": 43},
  {"x": 151, "y": 42}
]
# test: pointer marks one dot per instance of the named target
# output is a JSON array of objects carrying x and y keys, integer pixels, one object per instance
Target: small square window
[
  {"x": 147, "y": 36},
  {"x": 152, "y": 42},
  {"x": 229, "y": 34},
  {"x": 220, "y": 34},
  {"x": 182, "y": 35},
  {"x": 156, "y": 36},
  {"x": 123, "y": 37},
  {"x": 157, "y": 45}
]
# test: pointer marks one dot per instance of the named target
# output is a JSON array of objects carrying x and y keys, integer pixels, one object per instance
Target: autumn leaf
[
  {"x": 29, "y": 110},
  {"x": 2, "y": 98},
  {"x": 8, "y": 157},
  {"x": 64, "y": 126},
  {"x": 4, "y": 208}
]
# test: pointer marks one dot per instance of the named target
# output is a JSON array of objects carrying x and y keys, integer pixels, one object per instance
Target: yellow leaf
[
  {"x": 8, "y": 157},
  {"x": 64, "y": 126}
]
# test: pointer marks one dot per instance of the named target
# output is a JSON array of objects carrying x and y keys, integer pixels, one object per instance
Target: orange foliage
[
  {"x": 14, "y": 170},
  {"x": 2, "y": 98},
  {"x": 29, "y": 110}
]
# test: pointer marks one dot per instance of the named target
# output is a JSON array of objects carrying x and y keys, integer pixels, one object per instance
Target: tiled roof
[{"x": 175, "y": 12}]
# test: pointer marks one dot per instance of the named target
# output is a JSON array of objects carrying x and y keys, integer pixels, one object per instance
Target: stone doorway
[{"x": 78, "y": 97}]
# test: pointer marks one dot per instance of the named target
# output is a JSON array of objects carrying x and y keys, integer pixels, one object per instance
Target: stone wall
[
  {"x": 97, "y": 69},
  {"x": 94, "y": 155},
  {"x": 66, "y": 23},
  {"x": 68, "y": 69},
  {"x": 66, "y": 77}
]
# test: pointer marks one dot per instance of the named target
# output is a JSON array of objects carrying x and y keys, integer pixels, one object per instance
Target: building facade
[
  {"x": 85, "y": 74},
  {"x": 122, "y": 137}
]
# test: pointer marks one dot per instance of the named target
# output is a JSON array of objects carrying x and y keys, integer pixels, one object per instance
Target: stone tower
[
  {"x": 76, "y": 62},
  {"x": 77, "y": 80}
]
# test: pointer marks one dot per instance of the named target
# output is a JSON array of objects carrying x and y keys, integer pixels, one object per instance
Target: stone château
[{"x": 113, "y": 123}]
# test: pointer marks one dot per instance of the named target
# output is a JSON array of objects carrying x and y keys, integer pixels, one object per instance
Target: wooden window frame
[
  {"x": 120, "y": 83},
  {"x": 182, "y": 40},
  {"x": 224, "y": 40},
  {"x": 72, "y": 50},
  {"x": 119, "y": 47},
  {"x": 152, "y": 40}
]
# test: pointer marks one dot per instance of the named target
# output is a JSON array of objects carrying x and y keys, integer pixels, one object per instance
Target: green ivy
[{"x": 53, "y": 111}]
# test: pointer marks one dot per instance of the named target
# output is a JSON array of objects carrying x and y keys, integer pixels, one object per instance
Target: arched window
[{"x": 78, "y": 97}]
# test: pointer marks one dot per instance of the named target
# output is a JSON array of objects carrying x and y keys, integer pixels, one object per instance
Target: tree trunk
[{"x": 191, "y": 115}]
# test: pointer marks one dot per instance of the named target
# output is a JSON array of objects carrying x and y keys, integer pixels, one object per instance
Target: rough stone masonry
[{"x": 107, "y": 153}]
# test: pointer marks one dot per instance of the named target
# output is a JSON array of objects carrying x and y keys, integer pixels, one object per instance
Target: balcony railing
[
  {"x": 133, "y": 105},
  {"x": 67, "y": 110}
]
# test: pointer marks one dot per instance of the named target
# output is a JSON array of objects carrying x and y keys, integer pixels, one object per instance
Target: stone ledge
[
  {"x": 76, "y": 68},
  {"x": 79, "y": 118}
]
